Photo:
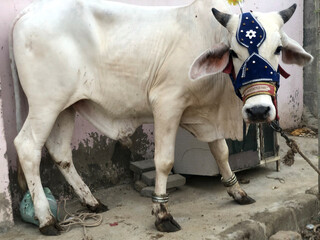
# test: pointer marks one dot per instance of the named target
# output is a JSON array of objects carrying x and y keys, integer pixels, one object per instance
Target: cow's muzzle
[
  {"x": 258, "y": 113},
  {"x": 259, "y": 108}
]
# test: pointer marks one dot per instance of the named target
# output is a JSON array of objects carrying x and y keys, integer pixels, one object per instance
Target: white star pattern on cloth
[{"x": 251, "y": 34}]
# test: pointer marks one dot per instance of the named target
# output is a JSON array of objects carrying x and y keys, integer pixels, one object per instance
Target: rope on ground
[
  {"x": 294, "y": 148},
  {"x": 82, "y": 219}
]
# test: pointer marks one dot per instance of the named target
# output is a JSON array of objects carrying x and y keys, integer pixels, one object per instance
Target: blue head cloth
[{"x": 251, "y": 35}]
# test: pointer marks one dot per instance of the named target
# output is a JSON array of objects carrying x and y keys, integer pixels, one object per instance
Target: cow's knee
[
  {"x": 63, "y": 161},
  {"x": 164, "y": 166},
  {"x": 60, "y": 153}
]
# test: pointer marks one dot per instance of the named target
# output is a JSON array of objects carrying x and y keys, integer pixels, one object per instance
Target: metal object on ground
[
  {"x": 259, "y": 147},
  {"x": 310, "y": 226},
  {"x": 281, "y": 180}
]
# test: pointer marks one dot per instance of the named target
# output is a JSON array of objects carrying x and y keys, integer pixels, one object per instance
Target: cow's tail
[{"x": 17, "y": 96}]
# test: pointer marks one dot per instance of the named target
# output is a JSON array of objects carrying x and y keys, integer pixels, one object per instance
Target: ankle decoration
[
  {"x": 230, "y": 182},
  {"x": 163, "y": 198}
]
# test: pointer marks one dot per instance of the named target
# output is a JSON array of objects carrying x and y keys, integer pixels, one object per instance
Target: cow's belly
[{"x": 115, "y": 126}]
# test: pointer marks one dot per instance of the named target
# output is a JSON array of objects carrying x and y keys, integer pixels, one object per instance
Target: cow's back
[{"x": 111, "y": 49}]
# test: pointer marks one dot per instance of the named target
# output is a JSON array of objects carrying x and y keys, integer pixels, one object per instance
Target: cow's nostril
[
  {"x": 258, "y": 113},
  {"x": 267, "y": 110},
  {"x": 249, "y": 112}
]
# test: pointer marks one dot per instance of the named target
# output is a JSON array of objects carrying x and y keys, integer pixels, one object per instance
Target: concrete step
[
  {"x": 174, "y": 181},
  {"x": 140, "y": 167},
  {"x": 139, "y": 185},
  {"x": 290, "y": 215},
  {"x": 149, "y": 178}
]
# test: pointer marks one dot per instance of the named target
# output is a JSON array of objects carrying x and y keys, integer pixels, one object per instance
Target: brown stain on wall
[{"x": 294, "y": 106}]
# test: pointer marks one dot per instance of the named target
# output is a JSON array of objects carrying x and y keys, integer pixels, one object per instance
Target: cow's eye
[
  {"x": 233, "y": 54},
  {"x": 278, "y": 50}
]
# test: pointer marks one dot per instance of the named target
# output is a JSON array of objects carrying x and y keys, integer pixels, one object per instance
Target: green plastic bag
[{"x": 27, "y": 209}]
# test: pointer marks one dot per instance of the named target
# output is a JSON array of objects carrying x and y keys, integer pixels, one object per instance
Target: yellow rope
[{"x": 82, "y": 219}]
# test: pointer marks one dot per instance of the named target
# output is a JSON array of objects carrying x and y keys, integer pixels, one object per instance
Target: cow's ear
[
  {"x": 210, "y": 62},
  {"x": 293, "y": 53}
]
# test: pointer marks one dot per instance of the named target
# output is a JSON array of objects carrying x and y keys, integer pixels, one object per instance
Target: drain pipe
[
  {"x": 17, "y": 97},
  {"x": 16, "y": 88},
  {"x": 15, "y": 77},
  {"x": 317, "y": 12}
]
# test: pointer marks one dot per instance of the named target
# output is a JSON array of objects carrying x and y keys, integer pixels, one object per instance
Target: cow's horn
[
  {"x": 221, "y": 17},
  {"x": 287, "y": 13}
]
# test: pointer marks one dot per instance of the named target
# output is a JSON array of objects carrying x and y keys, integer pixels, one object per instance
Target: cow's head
[{"x": 251, "y": 57}]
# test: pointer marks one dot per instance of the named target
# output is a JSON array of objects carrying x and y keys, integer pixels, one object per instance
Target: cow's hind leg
[
  {"x": 220, "y": 151},
  {"x": 29, "y": 143},
  {"x": 58, "y": 145}
]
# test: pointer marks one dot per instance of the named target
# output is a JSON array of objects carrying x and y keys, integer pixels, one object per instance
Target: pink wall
[
  {"x": 5, "y": 198},
  {"x": 290, "y": 93},
  {"x": 8, "y": 10}
]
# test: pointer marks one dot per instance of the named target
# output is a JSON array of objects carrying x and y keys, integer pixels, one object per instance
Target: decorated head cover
[{"x": 251, "y": 35}]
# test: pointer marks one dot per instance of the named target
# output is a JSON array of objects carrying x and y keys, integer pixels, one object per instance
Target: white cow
[{"x": 120, "y": 66}]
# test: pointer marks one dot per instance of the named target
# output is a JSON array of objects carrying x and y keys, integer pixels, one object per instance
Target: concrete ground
[{"x": 202, "y": 206}]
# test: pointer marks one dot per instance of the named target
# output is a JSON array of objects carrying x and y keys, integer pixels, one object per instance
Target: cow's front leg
[
  {"x": 166, "y": 123},
  {"x": 164, "y": 155},
  {"x": 220, "y": 151}
]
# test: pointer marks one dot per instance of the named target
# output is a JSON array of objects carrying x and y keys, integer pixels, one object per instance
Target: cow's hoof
[
  {"x": 99, "y": 208},
  {"x": 245, "y": 200},
  {"x": 167, "y": 224},
  {"x": 53, "y": 229}
]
